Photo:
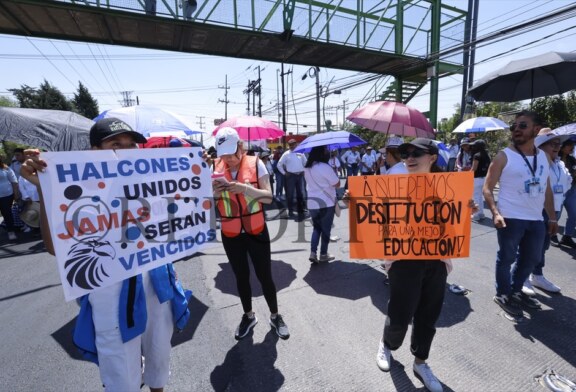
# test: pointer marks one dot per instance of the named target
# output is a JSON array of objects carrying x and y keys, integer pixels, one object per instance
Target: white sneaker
[
  {"x": 12, "y": 236},
  {"x": 326, "y": 258},
  {"x": 424, "y": 374},
  {"x": 527, "y": 288},
  {"x": 542, "y": 283},
  {"x": 383, "y": 357}
]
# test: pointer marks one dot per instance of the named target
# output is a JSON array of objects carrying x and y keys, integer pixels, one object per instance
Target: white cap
[
  {"x": 226, "y": 141},
  {"x": 541, "y": 139},
  {"x": 394, "y": 141}
]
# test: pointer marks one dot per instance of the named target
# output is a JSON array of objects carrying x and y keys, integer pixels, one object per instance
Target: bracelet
[{"x": 552, "y": 221}]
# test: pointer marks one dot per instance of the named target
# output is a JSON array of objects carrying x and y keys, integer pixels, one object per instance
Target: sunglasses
[
  {"x": 554, "y": 144},
  {"x": 521, "y": 125},
  {"x": 414, "y": 154}
]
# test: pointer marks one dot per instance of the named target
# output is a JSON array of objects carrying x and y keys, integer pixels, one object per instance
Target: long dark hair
[{"x": 318, "y": 154}]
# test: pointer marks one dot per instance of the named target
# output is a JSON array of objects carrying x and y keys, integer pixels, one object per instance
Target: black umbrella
[
  {"x": 51, "y": 130},
  {"x": 547, "y": 74}
]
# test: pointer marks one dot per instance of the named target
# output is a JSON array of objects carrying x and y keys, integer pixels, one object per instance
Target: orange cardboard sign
[{"x": 410, "y": 216}]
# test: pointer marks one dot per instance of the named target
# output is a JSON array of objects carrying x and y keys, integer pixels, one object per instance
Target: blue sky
[{"x": 188, "y": 83}]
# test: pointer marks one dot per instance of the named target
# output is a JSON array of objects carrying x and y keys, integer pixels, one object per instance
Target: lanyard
[
  {"x": 534, "y": 160},
  {"x": 553, "y": 167}
]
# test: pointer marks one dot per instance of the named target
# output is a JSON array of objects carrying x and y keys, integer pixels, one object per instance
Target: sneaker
[
  {"x": 522, "y": 299},
  {"x": 527, "y": 288},
  {"x": 313, "y": 258},
  {"x": 246, "y": 325},
  {"x": 383, "y": 357},
  {"x": 12, "y": 236},
  {"x": 542, "y": 283},
  {"x": 326, "y": 258},
  {"x": 26, "y": 229},
  {"x": 508, "y": 306},
  {"x": 424, "y": 374},
  {"x": 554, "y": 239},
  {"x": 568, "y": 241},
  {"x": 280, "y": 326}
]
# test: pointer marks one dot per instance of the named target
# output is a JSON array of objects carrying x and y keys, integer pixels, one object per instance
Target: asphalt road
[{"x": 335, "y": 313}]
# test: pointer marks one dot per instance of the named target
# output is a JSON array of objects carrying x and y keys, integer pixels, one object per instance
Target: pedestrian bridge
[{"x": 382, "y": 37}]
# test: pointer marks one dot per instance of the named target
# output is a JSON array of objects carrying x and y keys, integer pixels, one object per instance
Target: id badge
[
  {"x": 533, "y": 190},
  {"x": 558, "y": 189}
]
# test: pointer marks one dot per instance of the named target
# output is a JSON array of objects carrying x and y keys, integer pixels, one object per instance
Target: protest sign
[
  {"x": 114, "y": 214},
  {"x": 410, "y": 216}
]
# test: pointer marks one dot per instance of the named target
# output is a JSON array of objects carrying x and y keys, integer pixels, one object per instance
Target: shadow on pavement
[
  {"x": 404, "y": 383},
  {"x": 349, "y": 280},
  {"x": 543, "y": 325},
  {"x": 249, "y": 367},
  {"x": 283, "y": 273},
  {"x": 29, "y": 292},
  {"x": 455, "y": 310},
  {"x": 63, "y": 336},
  {"x": 197, "y": 312},
  {"x": 28, "y": 245}
]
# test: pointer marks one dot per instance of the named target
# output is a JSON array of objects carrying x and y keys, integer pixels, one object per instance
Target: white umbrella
[{"x": 481, "y": 124}]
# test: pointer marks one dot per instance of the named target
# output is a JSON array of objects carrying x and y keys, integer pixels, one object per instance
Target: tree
[
  {"x": 84, "y": 103},
  {"x": 50, "y": 97},
  {"x": 7, "y": 102},
  {"x": 26, "y": 96}
]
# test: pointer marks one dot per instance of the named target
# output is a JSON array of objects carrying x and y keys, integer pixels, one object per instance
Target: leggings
[{"x": 258, "y": 247}]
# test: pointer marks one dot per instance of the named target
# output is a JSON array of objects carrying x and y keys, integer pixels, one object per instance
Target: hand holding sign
[{"x": 415, "y": 216}]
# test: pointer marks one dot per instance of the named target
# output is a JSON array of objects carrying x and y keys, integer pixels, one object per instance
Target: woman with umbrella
[{"x": 321, "y": 184}]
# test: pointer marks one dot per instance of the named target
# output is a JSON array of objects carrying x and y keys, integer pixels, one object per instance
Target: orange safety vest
[{"x": 238, "y": 211}]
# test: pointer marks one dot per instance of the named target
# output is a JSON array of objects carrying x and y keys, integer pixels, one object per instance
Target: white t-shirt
[
  {"x": 262, "y": 171},
  {"x": 399, "y": 168},
  {"x": 368, "y": 160},
  {"x": 320, "y": 182},
  {"x": 334, "y": 162}
]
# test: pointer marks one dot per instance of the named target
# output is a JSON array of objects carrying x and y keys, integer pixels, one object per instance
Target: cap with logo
[
  {"x": 109, "y": 127},
  {"x": 226, "y": 141}
]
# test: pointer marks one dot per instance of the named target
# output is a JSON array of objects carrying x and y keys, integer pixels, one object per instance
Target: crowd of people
[{"x": 536, "y": 174}]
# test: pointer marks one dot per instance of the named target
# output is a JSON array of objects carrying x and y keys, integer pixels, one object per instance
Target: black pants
[
  {"x": 258, "y": 247},
  {"x": 6, "y": 211},
  {"x": 416, "y": 294},
  {"x": 294, "y": 183}
]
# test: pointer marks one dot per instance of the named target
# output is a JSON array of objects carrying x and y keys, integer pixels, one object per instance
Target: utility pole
[
  {"x": 127, "y": 99},
  {"x": 282, "y": 73},
  {"x": 200, "y": 121},
  {"x": 247, "y": 92},
  {"x": 344, "y": 112},
  {"x": 226, "y": 101},
  {"x": 278, "y": 96},
  {"x": 259, "y": 94}
]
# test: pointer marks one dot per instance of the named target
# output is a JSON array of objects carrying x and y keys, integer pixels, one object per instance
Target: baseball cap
[
  {"x": 292, "y": 141},
  {"x": 394, "y": 141},
  {"x": 464, "y": 141},
  {"x": 109, "y": 127},
  {"x": 421, "y": 143},
  {"x": 226, "y": 141}
]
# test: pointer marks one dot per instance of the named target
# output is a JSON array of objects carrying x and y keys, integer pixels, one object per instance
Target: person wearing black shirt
[{"x": 480, "y": 164}]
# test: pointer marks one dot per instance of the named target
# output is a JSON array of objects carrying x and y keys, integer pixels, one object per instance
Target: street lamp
[{"x": 314, "y": 72}]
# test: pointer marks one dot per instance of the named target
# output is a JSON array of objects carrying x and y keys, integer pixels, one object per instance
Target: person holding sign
[
  {"x": 416, "y": 286},
  {"x": 523, "y": 173},
  {"x": 241, "y": 187},
  {"x": 123, "y": 322}
]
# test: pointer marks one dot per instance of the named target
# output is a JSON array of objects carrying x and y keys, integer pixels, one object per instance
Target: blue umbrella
[
  {"x": 152, "y": 121},
  {"x": 569, "y": 129},
  {"x": 481, "y": 124},
  {"x": 333, "y": 140}
]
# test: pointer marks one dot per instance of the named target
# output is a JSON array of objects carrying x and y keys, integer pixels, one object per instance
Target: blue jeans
[
  {"x": 279, "y": 182},
  {"x": 570, "y": 205},
  {"x": 520, "y": 241},
  {"x": 546, "y": 245},
  {"x": 322, "y": 222}
]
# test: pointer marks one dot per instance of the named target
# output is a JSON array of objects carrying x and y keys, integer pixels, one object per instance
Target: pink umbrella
[
  {"x": 252, "y": 128},
  {"x": 392, "y": 118}
]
